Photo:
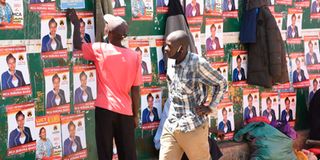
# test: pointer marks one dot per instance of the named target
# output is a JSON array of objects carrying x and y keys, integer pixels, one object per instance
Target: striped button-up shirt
[{"x": 188, "y": 83}]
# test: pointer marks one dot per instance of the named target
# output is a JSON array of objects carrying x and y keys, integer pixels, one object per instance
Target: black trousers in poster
[{"x": 110, "y": 124}]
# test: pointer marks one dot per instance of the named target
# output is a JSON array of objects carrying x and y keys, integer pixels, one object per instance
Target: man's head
[
  {"x": 310, "y": 45},
  {"x": 177, "y": 43},
  {"x": 315, "y": 84},
  {"x": 293, "y": 19},
  {"x": 83, "y": 79},
  {"x": 269, "y": 102},
  {"x": 72, "y": 129},
  {"x": 225, "y": 114},
  {"x": 116, "y": 28},
  {"x": 3, "y": 1},
  {"x": 239, "y": 60},
  {"x": 11, "y": 61},
  {"x": 20, "y": 119},
  {"x": 53, "y": 27},
  {"x": 213, "y": 31},
  {"x": 250, "y": 99},
  {"x": 287, "y": 102},
  {"x": 56, "y": 81},
  {"x": 82, "y": 26},
  {"x": 298, "y": 63},
  {"x": 150, "y": 99}
]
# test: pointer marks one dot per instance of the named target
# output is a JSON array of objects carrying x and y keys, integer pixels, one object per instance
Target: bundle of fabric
[{"x": 267, "y": 142}]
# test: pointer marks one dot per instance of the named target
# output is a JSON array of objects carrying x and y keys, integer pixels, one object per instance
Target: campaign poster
[
  {"x": 74, "y": 143},
  {"x": 315, "y": 9},
  {"x": 57, "y": 90},
  {"x": 86, "y": 30},
  {"x": 301, "y": 3},
  {"x": 251, "y": 103},
  {"x": 11, "y": 16},
  {"x": 213, "y": 7},
  {"x": 294, "y": 26},
  {"x": 270, "y": 105},
  {"x": 239, "y": 67},
  {"x": 196, "y": 34},
  {"x": 85, "y": 87},
  {"x": 143, "y": 49},
  {"x": 288, "y": 107},
  {"x": 214, "y": 37},
  {"x": 119, "y": 7},
  {"x": 151, "y": 108},
  {"x": 42, "y": 5},
  {"x": 76, "y": 4},
  {"x": 142, "y": 10},
  {"x": 48, "y": 130},
  {"x": 194, "y": 11},
  {"x": 283, "y": 2},
  {"x": 300, "y": 76},
  {"x": 314, "y": 85},
  {"x": 15, "y": 78},
  {"x": 222, "y": 68},
  {"x": 21, "y": 128},
  {"x": 162, "y": 68},
  {"x": 230, "y": 8},
  {"x": 225, "y": 121},
  {"x": 53, "y": 35},
  {"x": 311, "y": 51},
  {"x": 162, "y": 6}
]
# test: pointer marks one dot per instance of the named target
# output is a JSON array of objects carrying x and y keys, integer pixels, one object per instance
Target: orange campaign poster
[
  {"x": 302, "y": 3},
  {"x": 85, "y": 87},
  {"x": 162, "y": 67},
  {"x": 42, "y": 5},
  {"x": 270, "y": 105},
  {"x": 222, "y": 68},
  {"x": 49, "y": 139},
  {"x": 251, "y": 103},
  {"x": 311, "y": 51},
  {"x": 230, "y": 8},
  {"x": 214, "y": 37},
  {"x": 74, "y": 137},
  {"x": 53, "y": 35},
  {"x": 196, "y": 34},
  {"x": 12, "y": 17},
  {"x": 194, "y": 11},
  {"x": 225, "y": 121},
  {"x": 283, "y": 2},
  {"x": 142, "y": 47},
  {"x": 15, "y": 78},
  {"x": 213, "y": 7},
  {"x": 21, "y": 128},
  {"x": 86, "y": 30},
  {"x": 57, "y": 97},
  {"x": 119, "y": 7},
  {"x": 300, "y": 76},
  {"x": 151, "y": 107},
  {"x": 315, "y": 9},
  {"x": 294, "y": 25},
  {"x": 142, "y": 10},
  {"x": 288, "y": 107},
  {"x": 239, "y": 68},
  {"x": 162, "y": 6},
  {"x": 314, "y": 81}
]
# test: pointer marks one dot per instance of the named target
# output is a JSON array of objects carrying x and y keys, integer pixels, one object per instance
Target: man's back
[{"x": 118, "y": 70}]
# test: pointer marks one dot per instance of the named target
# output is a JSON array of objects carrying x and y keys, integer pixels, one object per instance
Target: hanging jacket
[
  {"x": 267, "y": 56},
  {"x": 267, "y": 142},
  {"x": 314, "y": 118}
]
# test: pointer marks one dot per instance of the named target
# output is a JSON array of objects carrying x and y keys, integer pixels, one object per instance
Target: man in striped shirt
[{"x": 186, "y": 129}]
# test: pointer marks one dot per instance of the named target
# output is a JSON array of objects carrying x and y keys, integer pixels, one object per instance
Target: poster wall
[
  {"x": 15, "y": 78},
  {"x": 222, "y": 68},
  {"x": 85, "y": 87},
  {"x": 314, "y": 9},
  {"x": 12, "y": 16},
  {"x": 42, "y": 5},
  {"x": 53, "y": 35},
  {"x": 213, "y": 7},
  {"x": 251, "y": 103},
  {"x": 214, "y": 37},
  {"x": 21, "y": 128},
  {"x": 270, "y": 105},
  {"x": 162, "y": 6},
  {"x": 57, "y": 97},
  {"x": 151, "y": 107},
  {"x": 196, "y": 34},
  {"x": 74, "y": 136},
  {"x": 48, "y": 130},
  {"x": 142, "y": 10},
  {"x": 230, "y": 8}
]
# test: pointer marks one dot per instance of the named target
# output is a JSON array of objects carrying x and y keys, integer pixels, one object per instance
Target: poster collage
[{"x": 61, "y": 134}]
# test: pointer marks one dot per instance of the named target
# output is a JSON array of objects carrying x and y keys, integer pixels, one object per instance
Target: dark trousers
[{"x": 110, "y": 124}]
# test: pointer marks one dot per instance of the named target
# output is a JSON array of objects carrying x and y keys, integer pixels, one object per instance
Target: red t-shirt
[{"x": 118, "y": 69}]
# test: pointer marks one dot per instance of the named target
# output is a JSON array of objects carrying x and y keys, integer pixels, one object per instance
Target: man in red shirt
[{"x": 119, "y": 75}]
